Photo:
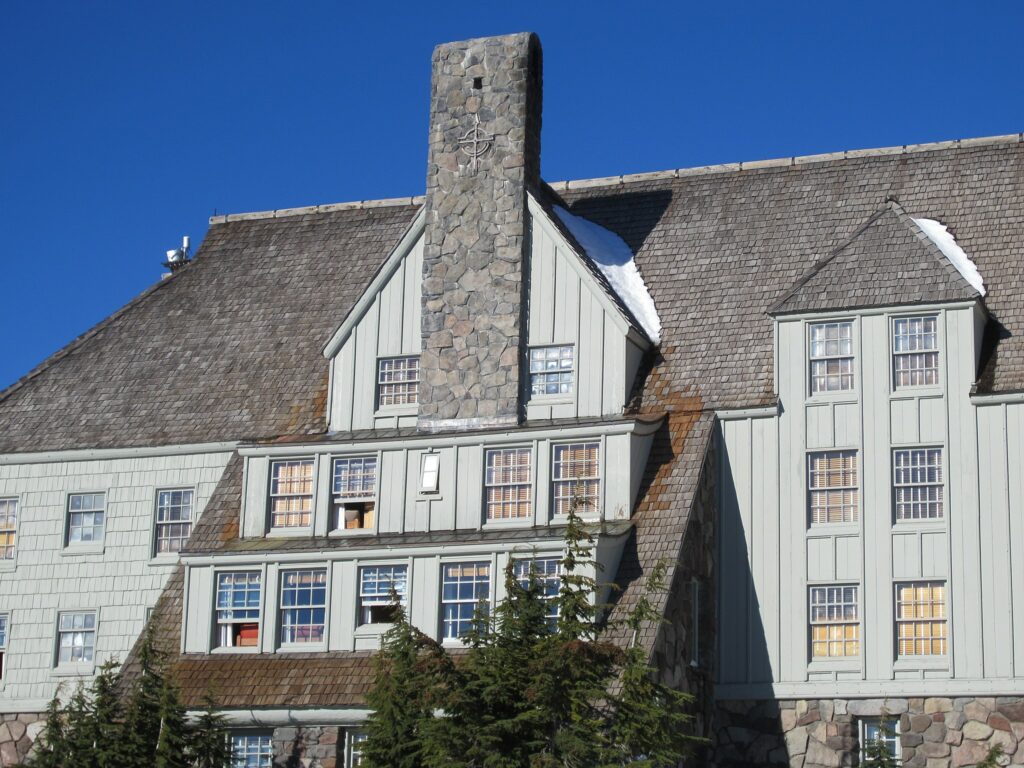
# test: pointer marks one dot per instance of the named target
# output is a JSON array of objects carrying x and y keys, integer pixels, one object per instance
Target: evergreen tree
[
  {"x": 208, "y": 744},
  {"x": 142, "y": 718},
  {"x": 79, "y": 730},
  {"x": 992, "y": 758},
  {"x": 51, "y": 745},
  {"x": 172, "y": 744}
]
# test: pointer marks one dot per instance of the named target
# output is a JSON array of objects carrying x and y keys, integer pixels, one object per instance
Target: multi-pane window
[
  {"x": 508, "y": 483},
  {"x": 76, "y": 637},
  {"x": 832, "y": 486},
  {"x": 354, "y": 488},
  {"x": 173, "y": 519},
  {"x": 85, "y": 517},
  {"x": 398, "y": 381},
  {"x": 379, "y": 588},
  {"x": 291, "y": 493},
  {"x": 835, "y": 625},
  {"x": 465, "y": 588},
  {"x": 915, "y": 351},
  {"x": 878, "y": 730},
  {"x": 4, "y": 622},
  {"x": 252, "y": 750},
  {"x": 551, "y": 370},
  {"x": 547, "y": 574},
  {"x": 576, "y": 477},
  {"x": 831, "y": 356},
  {"x": 356, "y": 739},
  {"x": 917, "y": 481},
  {"x": 238, "y": 609},
  {"x": 303, "y": 605},
  {"x": 921, "y": 618},
  {"x": 8, "y": 527}
]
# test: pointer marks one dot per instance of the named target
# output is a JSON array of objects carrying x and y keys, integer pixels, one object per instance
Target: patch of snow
[
  {"x": 615, "y": 260},
  {"x": 946, "y": 243}
]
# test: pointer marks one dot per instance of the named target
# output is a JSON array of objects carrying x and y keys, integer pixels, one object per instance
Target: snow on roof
[
  {"x": 946, "y": 243},
  {"x": 613, "y": 257}
]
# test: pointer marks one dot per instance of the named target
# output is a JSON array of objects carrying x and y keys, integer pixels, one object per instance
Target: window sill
[
  {"x": 372, "y": 630},
  {"x": 71, "y": 550},
  {"x": 522, "y": 522},
  {"x": 6, "y": 566},
  {"x": 396, "y": 410},
  {"x": 290, "y": 533},
  {"x": 824, "y": 530},
  {"x": 921, "y": 663},
  {"x": 162, "y": 561},
  {"x": 912, "y": 393},
  {"x": 73, "y": 670},
  {"x": 302, "y": 648},
  {"x": 551, "y": 400},
  {"x": 846, "y": 396},
  {"x": 932, "y": 525},
  {"x": 836, "y": 664},
  {"x": 341, "y": 533},
  {"x": 231, "y": 650}
]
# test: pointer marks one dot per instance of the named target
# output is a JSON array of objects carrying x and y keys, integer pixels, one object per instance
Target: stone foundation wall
[
  {"x": 935, "y": 732},
  {"x": 17, "y": 734}
]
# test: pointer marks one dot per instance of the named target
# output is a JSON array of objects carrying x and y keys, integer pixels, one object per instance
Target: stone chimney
[{"x": 484, "y": 154}]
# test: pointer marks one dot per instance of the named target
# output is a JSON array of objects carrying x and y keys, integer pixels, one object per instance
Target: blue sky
[{"x": 127, "y": 124}]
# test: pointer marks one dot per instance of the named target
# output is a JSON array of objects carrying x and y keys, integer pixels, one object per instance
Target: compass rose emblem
[{"x": 475, "y": 143}]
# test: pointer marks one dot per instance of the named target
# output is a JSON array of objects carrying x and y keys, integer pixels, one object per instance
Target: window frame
[
  {"x": 75, "y": 667},
  {"x": 238, "y": 761},
  {"x": 338, "y": 502},
  {"x": 306, "y": 645},
  {"x": 862, "y": 726},
  {"x": 218, "y": 625},
  {"x": 810, "y": 359},
  {"x": 555, "y": 482},
  {"x": 944, "y": 620},
  {"x": 9, "y": 563},
  {"x": 530, "y": 485},
  {"x": 939, "y": 519},
  {"x": 354, "y": 736},
  {"x": 172, "y": 555},
  {"x": 291, "y": 530},
  {"x": 93, "y": 545},
  {"x": 5, "y": 642},
  {"x": 458, "y": 601},
  {"x": 543, "y": 578},
  {"x": 857, "y": 622},
  {"x": 404, "y": 407},
  {"x": 551, "y": 396},
  {"x": 897, "y": 388},
  {"x": 370, "y": 627},
  {"x": 811, "y": 490}
]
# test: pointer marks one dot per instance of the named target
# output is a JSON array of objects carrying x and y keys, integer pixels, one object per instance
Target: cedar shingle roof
[{"x": 888, "y": 261}]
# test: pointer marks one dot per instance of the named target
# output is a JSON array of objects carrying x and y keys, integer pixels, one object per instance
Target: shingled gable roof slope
[{"x": 888, "y": 261}]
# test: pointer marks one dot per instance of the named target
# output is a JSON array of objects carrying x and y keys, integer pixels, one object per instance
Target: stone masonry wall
[
  {"x": 17, "y": 734},
  {"x": 314, "y": 746},
  {"x": 935, "y": 732},
  {"x": 484, "y": 153}
]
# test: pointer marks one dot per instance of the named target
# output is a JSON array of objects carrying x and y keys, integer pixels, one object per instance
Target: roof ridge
[
  {"x": 281, "y": 213},
  {"x": 782, "y": 162}
]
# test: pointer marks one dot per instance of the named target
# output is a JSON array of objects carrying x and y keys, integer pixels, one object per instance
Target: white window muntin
[
  {"x": 922, "y": 627},
  {"x": 292, "y": 484},
  {"x": 86, "y": 518},
  {"x": 5, "y": 630},
  {"x": 398, "y": 381},
  {"x": 918, "y": 483},
  {"x": 547, "y": 571},
  {"x": 8, "y": 528},
  {"x": 238, "y": 605},
  {"x": 915, "y": 351},
  {"x": 834, "y": 612},
  {"x": 552, "y": 369},
  {"x": 831, "y": 356},
  {"x": 376, "y": 581},
  {"x": 508, "y": 483},
  {"x": 303, "y": 606},
  {"x": 355, "y": 477},
  {"x": 252, "y": 749},
  {"x": 175, "y": 508},
  {"x": 833, "y": 486},
  {"x": 465, "y": 587},
  {"x": 354, "y": 741},
  {"x": 76, "y": 637},
  {"x": 576, "y": 470},
  {"x": 886, "y": 730}
]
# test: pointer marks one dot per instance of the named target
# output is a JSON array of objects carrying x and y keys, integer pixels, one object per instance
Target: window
[
  {"x": 831, "y": 357},
  {"x": 238, "y": 609},
  {"x": 874, "y": 730},
  {"x": 76, "y": 638},
  {"x": 917, "y": 481},
  {"x": 252, "y": 750},
  {"x": 291, "y": 493},
  {"x": 430, "y": 472},
  {"x": 547, "y": 571},
  {"x": 915, "y": 351},
  {"x": 4, "y": 623},
  {"x": 356, "y": 739},
  {"x": 508, "y": 483},
  {"x": 303, "y": 605},
  {"x": 832, "y": 485},
  {"x": 173, "y": 520},
  {"x": 576, "y": 476},
  {"x": 85, "y": 517},
  {"x": 398, "y": 381},
  {"x": 355, "y": 488},
  {"x": 379, "y": 585},
  {"x": 463, "y": 587},
  {"x": 551, "y": 370},
  {"x": 921, "y": 618},
  {"x": 8, "y": 527},
  {"x": 835, "y": 626}
]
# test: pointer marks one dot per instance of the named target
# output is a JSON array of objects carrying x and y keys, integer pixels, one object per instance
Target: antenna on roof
[{"x": 178, "y": 257}]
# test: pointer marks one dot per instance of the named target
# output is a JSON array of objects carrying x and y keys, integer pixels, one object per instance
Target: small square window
[
  {"x": 831, "y": 357},
  {"x": 551, "y": 370},
  {"x": 173, "y": 519},
  {"x": 355, "y": 487},
  {"x": 238, "y": 609},
  {"x": 430, "y": 472},
  {"x": 4, "y": 630},
  {"x": 833, "y": 487},
  {"x": 835, "y": 625},
  {"x": 252, "y": 750},
  {"x": 379, "y": 586},
  {"x": 508, "y": 483},
  {"x": 915, "y": 352},
  {"x": 921, "y": 618},
  {"x": 291, "y": 493},
  {"x": 8, "y": 528},
  {"x": 884, "y": 732},
  {"x": 576, "y": 477},
  {"x": 76, "y": 638},
  {"x": 398, "y": 381},
  {"x": 86, "y": 513},
  {"x": 303, "y": 606},
  {"x": 465, "y": 587}
]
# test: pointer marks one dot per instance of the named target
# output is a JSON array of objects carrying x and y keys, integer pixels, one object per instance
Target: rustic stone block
[{"x": 977, "y": 730}]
